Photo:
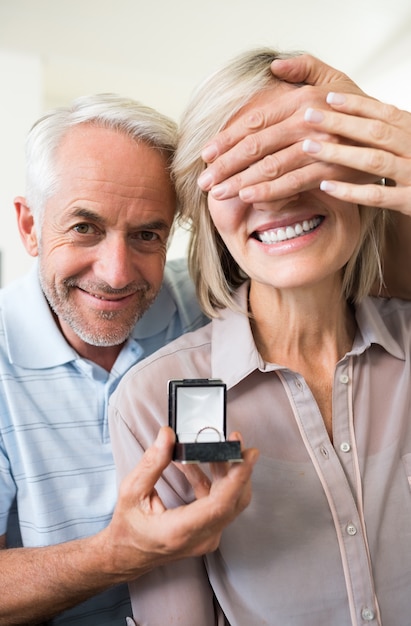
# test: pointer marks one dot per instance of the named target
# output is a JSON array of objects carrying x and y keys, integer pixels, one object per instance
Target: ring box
[{"x": 197, "y": 413}]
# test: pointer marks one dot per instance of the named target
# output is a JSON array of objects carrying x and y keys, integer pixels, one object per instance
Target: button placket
[
  {"x": 324, "y": 452},
  {"x": 343, "y": 380},
  {"x": 299, "y": 384},
  {"x": 336, "y": 469}
]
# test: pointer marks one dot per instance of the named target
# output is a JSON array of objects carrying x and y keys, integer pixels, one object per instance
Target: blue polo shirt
[{"x": 55, "y": 454}]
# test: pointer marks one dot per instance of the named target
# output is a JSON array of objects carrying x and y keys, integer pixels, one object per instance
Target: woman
[{"x": 318, "y": 378}]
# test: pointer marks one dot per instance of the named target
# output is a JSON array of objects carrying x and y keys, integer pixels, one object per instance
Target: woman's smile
[{"x": 285, "y": 233}]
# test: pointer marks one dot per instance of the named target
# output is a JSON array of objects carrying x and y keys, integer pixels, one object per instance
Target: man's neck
[{"x": 103, "y": 356}]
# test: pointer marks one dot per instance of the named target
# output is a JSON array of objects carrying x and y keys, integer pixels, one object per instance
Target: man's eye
[
  {"x": 147, "y": 235},
  {"x": 84, "y": 229}
]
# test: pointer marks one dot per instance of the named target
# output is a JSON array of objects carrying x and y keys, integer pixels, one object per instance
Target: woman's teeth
[{"x": 289, "y": 232}]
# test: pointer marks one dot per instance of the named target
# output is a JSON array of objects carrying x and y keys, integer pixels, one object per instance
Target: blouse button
[
  {"x": 351, "y": 529},
  {"x": 345, "y": 446},
  {"x": 344, "y": 379},
  {"x": 367, "y": 614}
]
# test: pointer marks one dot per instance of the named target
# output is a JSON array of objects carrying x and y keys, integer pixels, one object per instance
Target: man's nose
[{"x": 114, "y": 264}]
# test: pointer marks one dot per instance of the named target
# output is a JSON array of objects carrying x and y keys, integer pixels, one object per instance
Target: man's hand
[
  {"x": 259, "y": 156},
  {"x": 311, "y": 71},
  {"x": 39, "y": 583},
  {"x": 379, "y": 142},
  {"x": 144, "y": 533},
  {"x": 381, "y": 138}
]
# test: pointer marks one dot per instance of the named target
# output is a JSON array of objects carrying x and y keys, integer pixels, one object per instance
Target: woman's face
[{"x": 291, "y": 242}]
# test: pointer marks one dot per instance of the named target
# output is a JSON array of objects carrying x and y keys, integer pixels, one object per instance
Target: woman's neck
[
  {"x": 296, "y": 328},
  {"x": 307, "y": 331}
]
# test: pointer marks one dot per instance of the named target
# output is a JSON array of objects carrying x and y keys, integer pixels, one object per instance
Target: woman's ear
[{"x": 26, "y": 226}]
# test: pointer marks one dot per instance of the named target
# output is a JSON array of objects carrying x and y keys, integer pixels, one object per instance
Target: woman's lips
[{"x": 286, "y": 233}]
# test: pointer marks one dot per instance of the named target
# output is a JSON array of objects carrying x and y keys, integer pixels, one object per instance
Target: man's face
[{"x": 103, "y": 241}]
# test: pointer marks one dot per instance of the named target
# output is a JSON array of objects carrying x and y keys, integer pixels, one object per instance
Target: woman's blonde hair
[{"x": 216, "y": 274}]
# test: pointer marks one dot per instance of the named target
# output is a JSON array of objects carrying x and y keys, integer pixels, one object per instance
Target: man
[{"x": 98, "y": 213}]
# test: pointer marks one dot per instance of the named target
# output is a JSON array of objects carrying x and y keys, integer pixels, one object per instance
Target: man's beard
[{"x": 120, "y": 323}]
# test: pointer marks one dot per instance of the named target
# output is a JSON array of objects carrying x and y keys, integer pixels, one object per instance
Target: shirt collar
[
  {"x": 33, "y": 338},
  {"x": 235, "y": 355},
  {"x": 374, "y": 328},
  {"x": 35, "y": 341}
]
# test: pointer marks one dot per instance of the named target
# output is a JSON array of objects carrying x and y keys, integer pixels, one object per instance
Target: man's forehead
[
  {"x": 95, "y": 139},
  {"x": 87, "y": 148}
]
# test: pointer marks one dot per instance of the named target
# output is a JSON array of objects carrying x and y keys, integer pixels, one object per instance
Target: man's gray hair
[{"x": 127, "y": 116}]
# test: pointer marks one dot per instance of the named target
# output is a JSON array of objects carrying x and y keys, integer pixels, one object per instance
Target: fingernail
[
  {"x": 326, "y": 185},
  {"x": 205, "y": 180},
  {"x": 162, "y": 438},
  {"x": 311, "y": 146},
  {"x": 209, "y": 153},
  {"x": 254, "y": 456},
  {"x": 335, "y": 98},
  {"x": 246, "y": 194},
  {"x": 218, "y": 192},
  {"x": 313, "y": 115}
]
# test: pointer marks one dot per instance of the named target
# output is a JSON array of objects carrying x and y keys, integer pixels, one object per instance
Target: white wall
[
  {"x": 386, "y": 74},
  {"x": 21, "y": 104}
]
